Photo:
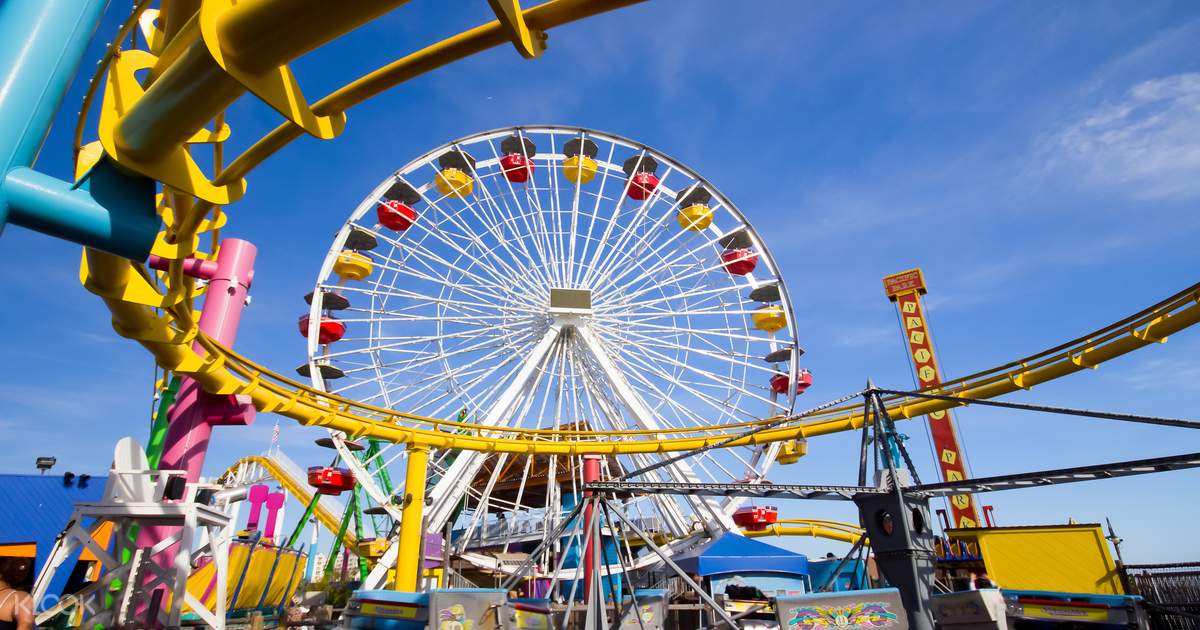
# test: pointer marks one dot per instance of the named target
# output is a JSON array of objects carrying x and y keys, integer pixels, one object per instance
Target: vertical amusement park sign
[{"x": 905, "y": 289}]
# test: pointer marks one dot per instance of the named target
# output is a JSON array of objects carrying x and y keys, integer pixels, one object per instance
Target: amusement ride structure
[
  {"x": 502, "y": 323},
  {"x": 554, "y": 279}
]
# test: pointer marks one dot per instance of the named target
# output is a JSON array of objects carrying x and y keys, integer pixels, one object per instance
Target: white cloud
[
  {"x": 1163, "y": 374},
  {"x": 1145, "y": 145},
  {"x": 863, "y": 336}
]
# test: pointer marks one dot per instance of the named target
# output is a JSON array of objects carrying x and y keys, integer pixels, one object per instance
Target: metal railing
[
  {"x": 1171, "y": 591},
  {"x": 533, "y": 527}
]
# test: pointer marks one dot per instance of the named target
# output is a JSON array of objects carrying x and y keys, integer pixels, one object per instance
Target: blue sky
[{"x": 1040, "y": 161}]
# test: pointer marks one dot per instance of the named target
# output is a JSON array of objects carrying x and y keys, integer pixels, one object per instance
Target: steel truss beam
[
  {"x": 1066, "y": 411},
  {"x": 786, "y": 491},
  {"x": 845, "y": 493},
  {"x": 1061, "y": 475}
]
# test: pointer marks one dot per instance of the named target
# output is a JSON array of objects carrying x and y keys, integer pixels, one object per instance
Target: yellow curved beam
[
  {"x": 298, "y": 489},
  {"x": 223, "y": 372},
  {"x": 832, "y": 530},
  {"x": 815, "y": 531}
]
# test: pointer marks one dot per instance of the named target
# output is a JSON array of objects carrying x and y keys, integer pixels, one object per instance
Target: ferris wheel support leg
[
  {"x": 679, "y": 471},
  {"x": 412, "y": 530},
  {"x": 591, "y": 474},
  {"x": 454, "y": 482}
]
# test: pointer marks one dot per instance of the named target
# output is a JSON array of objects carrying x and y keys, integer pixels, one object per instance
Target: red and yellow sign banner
[{"x": 905, "y": 290}]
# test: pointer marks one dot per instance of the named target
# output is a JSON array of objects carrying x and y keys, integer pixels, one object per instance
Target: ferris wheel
[{"x": 554, "y": 278}]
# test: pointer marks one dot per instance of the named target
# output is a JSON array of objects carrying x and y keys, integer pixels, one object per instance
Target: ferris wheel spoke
[
  {"x": 698, "y": 270},
  {"x": 729, "y": 333},
  {"x": 432, "y": 379},
  {"x": 417, "y": 246},
  {"x": 660, "y": 252},
  {"x": 646, "y": 345},
  {"x": 718, "y": 353},
  {"x": 464, "y": 306},
  {"x": 642, "y": 286},
  {"x": 397, "y": 344},
  {"x": 427, "y": 360},
  {"x": 421, "y": 393},
  {"x": 646, "y": 261},
  {"x": 535, "y": 208},
  {"x": 419, "y": 253},
  {"x": 477, "y": 293},
  {"x": 700, "y": 291},
  {"x": 595, "y": 214},
  {"x": 573, "y": 237},
  {"x": 683, "y": 414},
  {"x": 626, "y": 240},
  {"x": 494, "y": 209},
  {"x": 427, "y": 257},
  {"x": 541, "y": 244},
  {"x": 606, "y": 238},
  {"x": 722, "y": 406},
  {"x": 566, "y": 236},
  {"x": 476, "y": 368},
  {"x": 527, "y": 232}
]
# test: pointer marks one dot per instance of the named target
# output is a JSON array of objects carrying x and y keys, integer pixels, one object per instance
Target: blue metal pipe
[
  {"x": 44, "y": 41},
  {"x": 107, "y": 210}
]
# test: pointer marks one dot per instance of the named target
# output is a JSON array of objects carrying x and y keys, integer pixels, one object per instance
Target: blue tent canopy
[{"x": 731, "y": 553}]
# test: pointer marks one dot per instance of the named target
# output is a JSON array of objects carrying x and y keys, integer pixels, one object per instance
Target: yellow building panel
[{"x": 1065, "y": 558}]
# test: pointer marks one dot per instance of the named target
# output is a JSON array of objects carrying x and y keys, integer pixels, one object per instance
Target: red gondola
[
  {"x": 329, "y": 480},
  {"x": 642, "y": 185},
  {"x": 396, "y": 215},
  {"x": 756, "y": 518},
  {"x": 517, "y": 168},
  {"x": 330, "y": 329},
  {"x": 779, "y": 382},
  {"x": 642, "y": 180},
  {"x": 739, "y": 262}
]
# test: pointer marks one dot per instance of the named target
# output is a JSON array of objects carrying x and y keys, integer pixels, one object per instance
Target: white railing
[{"x": 498, "y": 532}]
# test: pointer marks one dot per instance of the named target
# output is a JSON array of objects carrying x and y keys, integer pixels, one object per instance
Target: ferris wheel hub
[{"x": 570, "y": 302}]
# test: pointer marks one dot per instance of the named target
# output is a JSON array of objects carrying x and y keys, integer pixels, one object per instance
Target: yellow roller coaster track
[
  {"x": 831, "y": 530},
  {"x": 203, "y": 55}
]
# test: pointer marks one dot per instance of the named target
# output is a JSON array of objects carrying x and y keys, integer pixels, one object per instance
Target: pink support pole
[
  {"x": 189, "y": 428},
  {"x": 256, "y": 497},
  {"x": 591, "y": 473},
  {"x": 274, "y": 503},
  {"x": 191, "y": 418}
]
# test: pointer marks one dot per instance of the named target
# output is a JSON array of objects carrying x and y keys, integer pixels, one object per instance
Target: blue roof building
[{"x": 34, "y": 509}]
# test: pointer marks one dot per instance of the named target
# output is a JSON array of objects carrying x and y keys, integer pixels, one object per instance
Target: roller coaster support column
[
  {"x": 591, "y": 474},
  {"x": 191, "y": 419},
  {"x": 196, "y": 412},
  {"x": 412, "y": 526},
  {"x": 44, "y": 41}
]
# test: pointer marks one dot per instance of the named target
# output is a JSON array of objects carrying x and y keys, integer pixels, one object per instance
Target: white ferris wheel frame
[{"x": 454, "y": 482}]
